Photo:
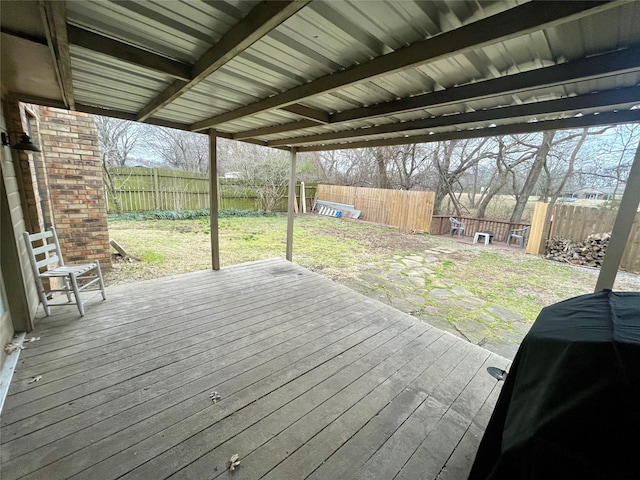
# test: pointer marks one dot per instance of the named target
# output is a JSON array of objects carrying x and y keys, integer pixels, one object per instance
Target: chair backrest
[
  {"x": 520, "y": 231},
  {"x": 454, "y": 221},
  {"x": 43, "y": 248}
]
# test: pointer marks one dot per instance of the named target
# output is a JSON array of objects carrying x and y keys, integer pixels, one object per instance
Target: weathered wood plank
[
  {"x": 358, "y": 449},
  {"x": 193, "y": 413},
  {"x": 164, "y": 325},
  {"x": 315, "y": 380},
  {"x": 415, "y": 377},
  {"x": 431, "y": 456},
  {"x": 297, "y": 421},
  {"x": 234, "y": 384},
  {"x": 171, "y": 290},
  {"x": 160, "y": 325},
  {"x": 24, "y": 417}
]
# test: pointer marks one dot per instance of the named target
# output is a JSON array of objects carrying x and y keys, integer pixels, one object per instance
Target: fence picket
[
  {"x": 576, "y": 223},
  {"x": 410, "y": 211},
  {"x": 142, "y": 189}
]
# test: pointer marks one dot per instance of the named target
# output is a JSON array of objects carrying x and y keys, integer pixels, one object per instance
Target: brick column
[{"x": 75, "y": 183}]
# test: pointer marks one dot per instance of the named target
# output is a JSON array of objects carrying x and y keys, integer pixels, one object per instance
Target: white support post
[
  {"x": 303, "y": 198},
  {"x": 292, "y": 197},
  {"x": 214, "y": 199},
  {"x": 621, "y": 228}
]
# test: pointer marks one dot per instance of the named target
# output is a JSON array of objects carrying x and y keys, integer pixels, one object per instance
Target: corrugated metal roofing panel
[
  {"x": 118, "y": 82},
  {"x": 322, "y": 38},
  {"x": 614, "y": 28},
  {"x": 353, "y": 32},
  {"x": 183, "y": 30}
]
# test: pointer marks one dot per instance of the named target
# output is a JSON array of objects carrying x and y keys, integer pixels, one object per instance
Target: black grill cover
[{"x": 570, "y": 405}]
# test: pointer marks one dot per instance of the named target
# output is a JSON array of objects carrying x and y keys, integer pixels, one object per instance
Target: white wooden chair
[{"x": 44, "y": 252}]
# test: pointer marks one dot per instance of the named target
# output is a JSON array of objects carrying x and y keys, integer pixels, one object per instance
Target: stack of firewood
[{"x": 590, "y": 252}]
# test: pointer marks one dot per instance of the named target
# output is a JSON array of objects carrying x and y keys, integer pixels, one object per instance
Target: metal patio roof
[{"x": 320, "y": 75}]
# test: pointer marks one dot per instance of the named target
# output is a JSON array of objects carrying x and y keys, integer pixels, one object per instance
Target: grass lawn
[{"x": 342, "y": 250}]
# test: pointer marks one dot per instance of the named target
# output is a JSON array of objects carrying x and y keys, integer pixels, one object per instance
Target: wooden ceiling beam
[
  {"x": 54, "y": 19},
  {"x": 623, "y": 98},
  {"x": 516, "y": 21},
  {"x": 128, "y": 53},
  {"x": 158, "y": 122},
  {"x": 615, "y": 63},
  {"x": 598, "y": 66},
  {"x": 106, "y": 112},
  {"x": 307, "y": 112},
  {"x": 285, "y": 127},
  {"x": 608, "y": 118},
  {"x": 260, "y": 21}
]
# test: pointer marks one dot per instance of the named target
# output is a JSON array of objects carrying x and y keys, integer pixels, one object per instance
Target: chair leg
[
  {"x": 43, "y": 297},
  {"x": 99, "y": 270},
  {"x": 67, "y": 289},
  {"x": 76, "y": 293}
]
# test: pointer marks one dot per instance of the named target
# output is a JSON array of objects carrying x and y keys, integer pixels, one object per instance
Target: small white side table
[{"x": 487, "y": 237}]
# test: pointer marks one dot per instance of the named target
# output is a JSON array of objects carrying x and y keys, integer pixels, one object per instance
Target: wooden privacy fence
[
  {"x": 142, "y": 189},
  {"x": 408, "y": 210},
  {"x": 577, "y": 223},
  {"x": 441, "y": 225},
  {"x": 145, "y": 189}
]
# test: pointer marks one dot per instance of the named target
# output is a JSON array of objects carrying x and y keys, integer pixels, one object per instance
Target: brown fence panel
[
  {"x": 631, "y": 258},
  {"x": 577, "y": 223},
  {"x": 410, "y": 211}
]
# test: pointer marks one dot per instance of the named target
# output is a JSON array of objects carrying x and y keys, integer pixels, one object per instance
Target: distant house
[{"x": 604, "y": 193}]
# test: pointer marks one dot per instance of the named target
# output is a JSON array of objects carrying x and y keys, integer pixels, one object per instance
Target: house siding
[{"x": 22, "y": 296}]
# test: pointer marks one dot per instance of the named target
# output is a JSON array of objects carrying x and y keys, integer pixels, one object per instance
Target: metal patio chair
[{"x": 44, "y": 252}]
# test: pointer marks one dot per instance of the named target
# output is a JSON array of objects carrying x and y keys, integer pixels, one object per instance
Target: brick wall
[{"x": 76, "y": 192}]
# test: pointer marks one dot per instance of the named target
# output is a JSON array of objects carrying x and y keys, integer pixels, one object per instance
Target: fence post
[
  {"x": 538, "y": 224},
  {"x": 156, "y": 189}
]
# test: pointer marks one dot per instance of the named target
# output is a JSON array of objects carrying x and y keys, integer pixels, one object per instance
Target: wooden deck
[{"x": 315, "y": 381}]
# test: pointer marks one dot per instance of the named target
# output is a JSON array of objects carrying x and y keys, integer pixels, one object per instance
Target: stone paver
[
  {"x": 417, "y": 281},
  {"x": 408, "y": 284},
  {"x": 411, "y": 263},
  {"x": 505, "y": 314}
]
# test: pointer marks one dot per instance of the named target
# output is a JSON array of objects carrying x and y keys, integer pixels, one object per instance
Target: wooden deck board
[{"x": 316, "y": 381}]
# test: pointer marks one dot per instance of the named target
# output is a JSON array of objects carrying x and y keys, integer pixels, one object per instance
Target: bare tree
[
  {"x": 509, "y": 155},
  {"x": 608, "y": 164},
  {"x": 522, "y": 197},
  {"x": 550, "y": 141},
  {"x": 451, "y": 159},
  {"x": 560, "y": 164},
  {"x": 382, "y": 157},
  {"x": 265, "y": 172},
  {"x": 116, "y": 139},
  {"x": 409, "y": 161},
  {"x": 181, "y": 150}
]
